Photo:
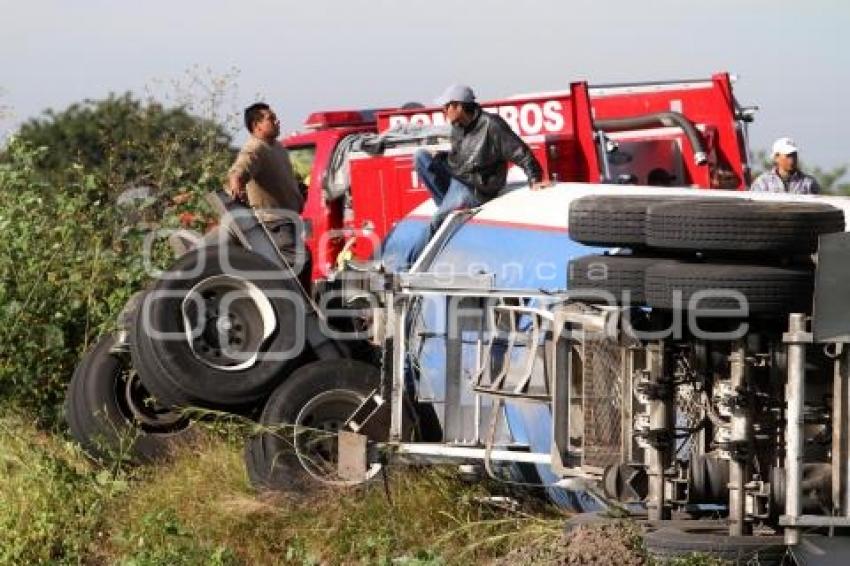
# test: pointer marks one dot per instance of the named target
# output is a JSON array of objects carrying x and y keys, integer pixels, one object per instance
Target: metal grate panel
[{"x": 602, "y": 399}]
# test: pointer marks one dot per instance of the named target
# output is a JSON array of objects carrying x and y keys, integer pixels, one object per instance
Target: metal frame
[
  {"x": 658, "y": 453},
  {"x": 741, "y": 429},
  {"x": 568, "y": 325},
  {"x": 797, "y": 339},
  {"x": 564, "y": 327},
  {"x": 559, "y": 326}
]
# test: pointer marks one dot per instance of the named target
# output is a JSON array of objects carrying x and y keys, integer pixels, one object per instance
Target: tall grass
[
  {"x": 200, "y": 509},
  {"x": 51, "y": 499}
]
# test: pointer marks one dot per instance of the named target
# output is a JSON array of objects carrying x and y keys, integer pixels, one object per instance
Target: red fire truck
[{"x": 687, "y": 133}]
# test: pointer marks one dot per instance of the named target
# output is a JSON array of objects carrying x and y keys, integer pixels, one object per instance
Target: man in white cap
[
  {"x": 475, "y": 170},
  {"x": 785, "y": 177}
]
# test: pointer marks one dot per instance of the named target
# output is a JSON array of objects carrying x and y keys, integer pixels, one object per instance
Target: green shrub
[
  {"x": 60, "y": 275},
  {"x": 125, "y": 140},
  {"x": 71, "y": 253}
]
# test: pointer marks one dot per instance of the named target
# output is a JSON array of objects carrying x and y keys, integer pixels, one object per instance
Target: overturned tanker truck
[{"x": 678, "y": 353}]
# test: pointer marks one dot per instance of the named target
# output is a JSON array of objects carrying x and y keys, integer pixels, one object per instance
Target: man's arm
[
  {"x": 241, "y": 172},
  {"x": 516, "y": 151},
  {"x": 236, "y": 186}
]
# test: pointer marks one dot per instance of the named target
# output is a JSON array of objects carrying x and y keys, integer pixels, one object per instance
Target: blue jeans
[{"x": 448, "y": 193}]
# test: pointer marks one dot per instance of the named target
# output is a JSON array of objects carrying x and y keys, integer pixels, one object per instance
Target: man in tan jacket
[
  {"x": 262, "y": 176},
  {"x": 262, "y": 170}
]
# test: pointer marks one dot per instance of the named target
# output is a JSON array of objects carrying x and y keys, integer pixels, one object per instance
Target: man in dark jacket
[{"x": 475, "y": 169}]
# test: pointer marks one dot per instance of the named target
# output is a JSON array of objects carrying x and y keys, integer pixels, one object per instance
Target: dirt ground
[{"x": 592, "y": 544}]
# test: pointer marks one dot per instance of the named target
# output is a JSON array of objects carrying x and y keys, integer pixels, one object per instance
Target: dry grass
[
  {"x": 200, "y": 509},
  {"x": 50, "y": 497},
  {"x": 425, "y": 514}
]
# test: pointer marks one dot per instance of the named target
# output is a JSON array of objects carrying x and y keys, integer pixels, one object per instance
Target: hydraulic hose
[{"x": 666, "y": 119}]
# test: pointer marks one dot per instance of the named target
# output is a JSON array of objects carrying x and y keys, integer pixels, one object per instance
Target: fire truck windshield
[{"x": 302, "y": 158}]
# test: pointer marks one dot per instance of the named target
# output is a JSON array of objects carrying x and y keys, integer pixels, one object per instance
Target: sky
[{"x": 792, "y": 58}]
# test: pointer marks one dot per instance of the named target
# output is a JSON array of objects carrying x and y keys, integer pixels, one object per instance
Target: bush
[
  {"x": 71, "y": 252},
  {"x": 125, "y": 141}
]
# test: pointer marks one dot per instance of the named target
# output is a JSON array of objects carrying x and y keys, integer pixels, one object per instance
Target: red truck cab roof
[{"x": 698, "y": 139}]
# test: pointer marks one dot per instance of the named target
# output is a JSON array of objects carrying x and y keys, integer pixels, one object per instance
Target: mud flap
[{"x": 352, "y": 463}]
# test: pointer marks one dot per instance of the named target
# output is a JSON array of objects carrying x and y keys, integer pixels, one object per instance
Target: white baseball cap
[
  {"x": 455, "y": 93},
  {"x": 784, "y": 146}
]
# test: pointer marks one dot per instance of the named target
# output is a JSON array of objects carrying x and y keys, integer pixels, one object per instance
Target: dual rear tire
[
  {"x": 111, "y": 414},
  {"x": 705, "y": 224},
  {"x": 218, "y": 330},
  {"x": 296, "y": 448},
  {"x": 666, "y": 283}
]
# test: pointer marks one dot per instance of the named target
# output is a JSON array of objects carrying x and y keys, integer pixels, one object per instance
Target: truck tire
[
  {"x": 609, "y": 220},
  {"x": 317, "y": 398},
  {"x": 671, "y": 543},
  {"x": 615, "y": 275},
  {"x": 768, "y": 290},
  {"x": 616, "y": 220},
  {"x": 111, "y": 415},
  {"x": 234, "y": 358},
  {"x": 741, "y": 226}
]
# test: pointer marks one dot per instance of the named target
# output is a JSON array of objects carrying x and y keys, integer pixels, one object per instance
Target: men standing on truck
[
  {"x": 262, "y": 174},
  {"x": 475, "y": 169},
  {"x": 785, "y": 177}
]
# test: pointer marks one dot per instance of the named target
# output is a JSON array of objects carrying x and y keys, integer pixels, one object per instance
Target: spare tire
[
  {"x": 610, "y": 220},
  {"x": 671, "y": 543},
  {"x": 296, "y": 448},
  {"x": 110, "y": 413},
  {"x": 615, "y": 275},
  {"x": 218, "y": 330},
  {"x": 767, "y": 290},
  {"x": 741, "y": 225},
  {"x": 617, "y": 220}
]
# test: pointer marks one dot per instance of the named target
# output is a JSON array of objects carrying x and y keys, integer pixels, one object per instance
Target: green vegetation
[
  {"x": 50, "y": 498},
  {"x": 72, "y": 237},
  {"x": 123, "y": 140},
  {"x": 199, "y": 509}
]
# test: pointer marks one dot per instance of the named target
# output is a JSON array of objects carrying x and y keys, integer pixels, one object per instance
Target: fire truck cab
[{"x": 688, "y": 133}]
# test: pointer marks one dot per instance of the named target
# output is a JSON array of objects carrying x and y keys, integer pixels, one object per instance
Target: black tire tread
[
  {"x": 170, "y": 372},
  {"x": 609, "y": 220},
  {"x": 618, "y": 220},
  {"x": 743, "y": 226},
  {"x": 621, "y": 274},
  {"x": 272, "y": 467},
  {"x": 768, "y": 289},
  {"x": 96, "y": 420}
]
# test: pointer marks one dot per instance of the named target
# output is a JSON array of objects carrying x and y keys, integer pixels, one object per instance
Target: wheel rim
[
  {"x": 145, "y": 411},
  {"x": 316, "y": 435},
  {"x": 140, "y": 408},
  {"x": 227, "y": 321}
]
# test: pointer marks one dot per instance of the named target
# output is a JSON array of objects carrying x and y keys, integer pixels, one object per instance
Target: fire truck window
[{"x": 302, "y": 162}]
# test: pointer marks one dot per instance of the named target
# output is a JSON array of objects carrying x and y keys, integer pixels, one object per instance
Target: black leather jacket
[{"x": 481, "y": 152}]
